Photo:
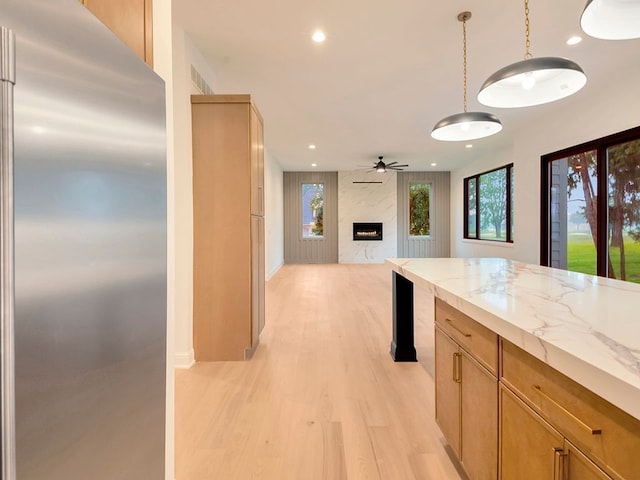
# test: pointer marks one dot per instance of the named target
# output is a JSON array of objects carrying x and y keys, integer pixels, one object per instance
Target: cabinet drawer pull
[
  {"x": 450, "y": 322},
  {"x": 558, "y": 464},
  {"x": 457, "y": 368},
  {"x": 593, "y": 431}
]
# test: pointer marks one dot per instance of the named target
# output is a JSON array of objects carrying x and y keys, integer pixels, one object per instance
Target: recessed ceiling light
[
  {"x": 314, "y": 164},
  {"x": 318, "y": 36},
  {"x": 312, "y": 147},
  {"x": 468, "y": 145},
  {"x": 576, "y": 39},
  {"x": 434, "y": 164}
]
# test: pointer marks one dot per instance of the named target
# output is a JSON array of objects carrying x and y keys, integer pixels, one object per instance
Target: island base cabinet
[
  {"x": 579, "y": 467},
  {"x": 605, "y": 434},
  {"x": 447, "y": 389},
  {"x": 479, "y": 419},
  {"x": 531, "y": 449},
  {"x": 467, "y": 408}
]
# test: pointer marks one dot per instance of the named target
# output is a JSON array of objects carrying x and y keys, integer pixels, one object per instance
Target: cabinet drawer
[
  {"x": 478, "y": 340},
  {"x": 602, "y": 431}
]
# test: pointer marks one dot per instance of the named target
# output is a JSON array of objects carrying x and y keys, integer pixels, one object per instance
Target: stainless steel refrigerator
[{"x": 83, "y": 249}]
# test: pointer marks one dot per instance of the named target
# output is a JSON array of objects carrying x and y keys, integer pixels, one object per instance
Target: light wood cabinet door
[
  {"x": 261, "y": 277},
  {"x": 130, "y": 20},
  {"x": 447, "y": 358},
  {"x": 606, "y": 434},
  {"x": 530, "y": 448},
  {"x": 257, "y": 164},
  {"x": 579, "y": 467},
  {"x": 257, "y": 278},
  {"x": 222, "y": 230},
  {"x": 479, "y": 420}
]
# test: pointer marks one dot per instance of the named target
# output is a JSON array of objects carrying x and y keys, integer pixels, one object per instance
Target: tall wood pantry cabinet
[{"x": 228, "y": 230}]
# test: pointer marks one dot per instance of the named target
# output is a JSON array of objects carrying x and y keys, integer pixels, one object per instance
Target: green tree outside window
[{"x": 419, "y": 198}]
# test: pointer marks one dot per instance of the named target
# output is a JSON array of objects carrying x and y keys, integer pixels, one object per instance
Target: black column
[{"x": 402, "y": 348}]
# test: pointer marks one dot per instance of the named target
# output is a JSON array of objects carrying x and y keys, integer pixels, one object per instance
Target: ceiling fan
[{"x": 382, "y": 167}]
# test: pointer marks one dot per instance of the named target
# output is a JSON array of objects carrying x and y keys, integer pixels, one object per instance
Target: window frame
[
  {"x": 508, "y": 169},
  {"x": 600, "y": 146},
  {"x": 301, "y": 189},
  {"x": 430, "y": 185}
]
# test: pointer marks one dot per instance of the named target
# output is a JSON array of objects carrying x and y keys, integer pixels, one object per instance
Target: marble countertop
[{"x": 586, "y": 327}]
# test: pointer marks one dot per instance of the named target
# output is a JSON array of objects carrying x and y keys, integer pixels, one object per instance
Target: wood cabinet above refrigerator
[{"x": 129, "y": 20}]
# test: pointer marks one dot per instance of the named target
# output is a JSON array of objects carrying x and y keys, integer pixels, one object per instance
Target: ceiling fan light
[
  {"x": 611, "y": 19},
  {"x": 532, "y": 82},
  {"x": 466, "y": 126}
]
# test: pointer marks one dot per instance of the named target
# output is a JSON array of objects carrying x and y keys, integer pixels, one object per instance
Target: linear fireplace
[{"x": 367, "y": 231}]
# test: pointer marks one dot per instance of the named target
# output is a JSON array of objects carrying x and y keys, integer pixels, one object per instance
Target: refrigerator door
[
  {"x": 7, "y": 360},
  {"x": 90, "y": 249}
]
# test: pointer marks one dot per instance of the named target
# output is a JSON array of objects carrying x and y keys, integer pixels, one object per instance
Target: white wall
[
  {"x": 274, "y": 215},
  {"x": 173, "y": 56},
  {"x": 163, "y": 66},
  {"x": 367, "y": 202},
  {"x": 587, "y": 115},
  {"x": 185, "y": 54}
]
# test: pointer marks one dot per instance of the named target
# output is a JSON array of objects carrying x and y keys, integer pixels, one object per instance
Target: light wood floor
[{"x": 321, "y": 398}]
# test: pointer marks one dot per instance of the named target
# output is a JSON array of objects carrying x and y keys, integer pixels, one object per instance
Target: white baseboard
[
  {"x": 273, "y": 272},
  {"x": 184, "y": 360}
]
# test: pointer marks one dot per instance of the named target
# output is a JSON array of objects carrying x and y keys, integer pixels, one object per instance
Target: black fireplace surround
[{"x": 367, "y": 231}]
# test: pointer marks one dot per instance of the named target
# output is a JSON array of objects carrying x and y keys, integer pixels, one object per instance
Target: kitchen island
[{"x": 540, "y": 321}]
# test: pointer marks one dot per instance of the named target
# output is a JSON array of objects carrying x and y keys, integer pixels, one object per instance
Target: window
[
  {"x": 573, "y": 192},
  {"x": 591, "y": 207},
  {"x": 312, "y": 203},
  {"x": 488, "y": 203},
  {"x": 419, "y": 201}
]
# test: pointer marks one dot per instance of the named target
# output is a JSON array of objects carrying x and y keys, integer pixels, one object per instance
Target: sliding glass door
[
  {"x": 591, "y": 207},
  {"x": 573, "y": 219},
  {"x": 623, "y": 182}
]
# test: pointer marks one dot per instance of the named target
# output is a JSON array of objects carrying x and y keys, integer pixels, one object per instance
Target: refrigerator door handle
[{"x": 7, "y": 295}]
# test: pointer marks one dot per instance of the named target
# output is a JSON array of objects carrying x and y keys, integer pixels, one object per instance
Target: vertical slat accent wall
[
  {"x": 310, "y": 250},
  {"x": 438, "y": 243}
]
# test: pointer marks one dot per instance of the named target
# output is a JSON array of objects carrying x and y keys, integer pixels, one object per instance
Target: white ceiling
[{"x": 388, "y": 71}]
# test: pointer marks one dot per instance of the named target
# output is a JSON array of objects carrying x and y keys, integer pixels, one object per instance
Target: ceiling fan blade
[
  {"x": 392, "y": 163},
  {"x": 395, "y": 166}
]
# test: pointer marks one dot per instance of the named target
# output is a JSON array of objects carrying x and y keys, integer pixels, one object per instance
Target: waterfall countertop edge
[{"x": 584, "y": 326}]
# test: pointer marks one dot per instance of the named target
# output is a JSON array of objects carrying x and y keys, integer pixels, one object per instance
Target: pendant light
[
  {"x": 611, "y": 19},
  {"x": 533, "y": 81},
  {"x": 466, "y": 125}
]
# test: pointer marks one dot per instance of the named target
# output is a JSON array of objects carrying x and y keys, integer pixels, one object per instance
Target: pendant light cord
[
  {"x": 527, "y": 53},
  {"x": 464, "y": 56}
]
